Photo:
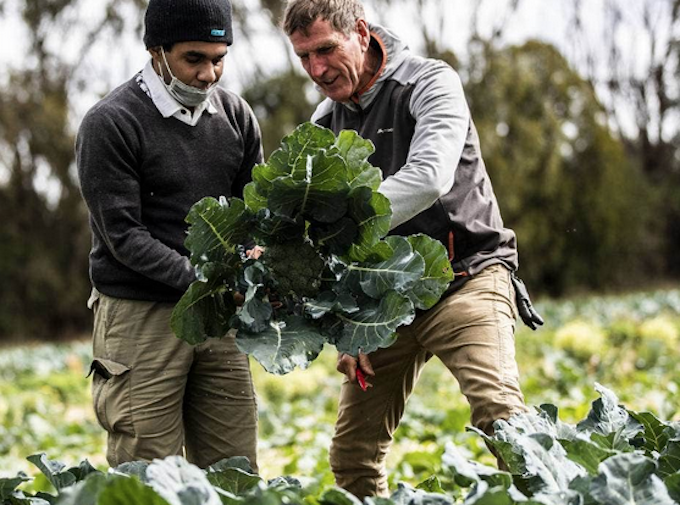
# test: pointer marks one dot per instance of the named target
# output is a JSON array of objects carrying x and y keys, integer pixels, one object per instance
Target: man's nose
[
  {"x": 317, "y": 66},
  {"x": 208, "y": 73}
]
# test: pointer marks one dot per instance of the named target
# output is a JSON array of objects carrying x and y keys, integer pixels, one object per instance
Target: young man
[
  {"x": 145, "y": 154},
  {"x": 414, "y": 111}
]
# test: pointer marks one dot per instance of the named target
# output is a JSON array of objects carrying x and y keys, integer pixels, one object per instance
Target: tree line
[{"x": 595, "y": 203}]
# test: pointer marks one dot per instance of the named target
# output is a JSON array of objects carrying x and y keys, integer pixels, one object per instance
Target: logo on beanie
[{"x": 217, "y": 33}]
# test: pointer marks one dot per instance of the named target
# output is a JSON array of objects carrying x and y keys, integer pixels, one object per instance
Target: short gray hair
[{"x": 341, "y": 14}]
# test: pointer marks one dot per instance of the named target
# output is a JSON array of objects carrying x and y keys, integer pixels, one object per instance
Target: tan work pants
[
  {"x": 156, "y": 395},
  {"x": 472, "y": 333}
]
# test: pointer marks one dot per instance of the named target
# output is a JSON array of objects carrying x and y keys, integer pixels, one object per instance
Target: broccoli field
[{"x": 592, "y": 355}]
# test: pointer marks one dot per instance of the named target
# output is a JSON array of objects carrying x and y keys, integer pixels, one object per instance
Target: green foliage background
[
  {"x": 563, "y": 180},
  {"x": 629, "y": 344}
]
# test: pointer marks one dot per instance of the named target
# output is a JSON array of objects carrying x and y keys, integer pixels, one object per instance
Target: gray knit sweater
[{"x": 140, "y": 173}]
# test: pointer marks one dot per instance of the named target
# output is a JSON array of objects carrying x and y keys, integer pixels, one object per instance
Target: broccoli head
[{"x": 296, "y": 266}]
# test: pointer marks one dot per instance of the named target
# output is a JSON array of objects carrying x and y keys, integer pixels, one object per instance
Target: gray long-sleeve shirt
[{"x": 140, "y": 173}]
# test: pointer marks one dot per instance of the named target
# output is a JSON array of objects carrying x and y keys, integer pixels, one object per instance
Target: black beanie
[{"x": 171, "y": 21}]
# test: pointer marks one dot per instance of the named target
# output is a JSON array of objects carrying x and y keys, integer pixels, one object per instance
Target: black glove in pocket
[{"x": 524, "y": 306}]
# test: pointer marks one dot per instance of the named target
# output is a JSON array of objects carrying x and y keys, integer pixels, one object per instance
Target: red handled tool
[{"x": 361, "y": 379}]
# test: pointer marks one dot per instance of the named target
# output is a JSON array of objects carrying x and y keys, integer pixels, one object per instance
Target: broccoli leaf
[
  {"x": 609, "y": 424},
  {"x": 586, "y": 453},
  {"x": 373, "y": 213},
  {"x": 204, "y": 311},
  {"x": 264, "y": 176},
  {"x": 328, "y": 302},
  {"x": 272, "y": 228},
  {"x": 305, "y": 141},
  {"x": 255, "y": 313},
  {"x": 252, "y": 197},
  {"x": 673, "y": 484},
  {"x": 319, "y": 193},
  {"x": 398, "y": 273},
  {"x": 669, "y": 459},
  {"x": 656, "y": 433},
  {"x": 217, "y": 227},
  {"x": 356, "y": 150},
  {"x": 336, "y": 237},
  {"x": 629, "y": 478},
  {"x": 283, "y": 345},
  {"x": 437, "y": 274},
  {"x": 54, "y": 470},
  {"x": 8, "y": 485},
  {"x": 374, "y": 325},
  {"x": 233, "y": 480}
]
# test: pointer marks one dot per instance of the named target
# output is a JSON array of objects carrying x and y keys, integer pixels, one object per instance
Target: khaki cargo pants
[
  {"x": 156, "y": 395},
  {"x": 472, "y": 333}
]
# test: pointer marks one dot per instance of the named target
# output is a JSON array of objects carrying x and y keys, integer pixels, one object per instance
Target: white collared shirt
[{"x": 166, "y": 104}]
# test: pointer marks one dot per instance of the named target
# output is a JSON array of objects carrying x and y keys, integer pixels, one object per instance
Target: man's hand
[
  {"x": 255, "y": 252},
  {"x": 524, "y": 306},
  {"x": 240, "y": 299},
  {"x": 349, "y": 365}
]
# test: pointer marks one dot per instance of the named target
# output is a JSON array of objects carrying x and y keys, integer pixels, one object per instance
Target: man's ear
[
  {"x": 156, "y": 59},
  {"x": 364, "y": 33},
  {"x": 155, "y": 52}
]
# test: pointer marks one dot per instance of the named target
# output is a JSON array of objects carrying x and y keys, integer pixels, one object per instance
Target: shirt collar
[
  {"x": 166, "y": 104},
  {"x": 394, "y": 52},
  {"x": 379, "y": 46}
]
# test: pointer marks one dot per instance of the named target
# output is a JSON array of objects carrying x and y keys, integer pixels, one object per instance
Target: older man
[{"x": 414, "y": 110}]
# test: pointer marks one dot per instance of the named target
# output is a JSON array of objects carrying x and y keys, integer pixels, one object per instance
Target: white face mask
[{"x": 190, "y": 96}]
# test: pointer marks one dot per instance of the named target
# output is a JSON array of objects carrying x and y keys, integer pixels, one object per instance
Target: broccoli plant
[{"x": 329, "y": 273}]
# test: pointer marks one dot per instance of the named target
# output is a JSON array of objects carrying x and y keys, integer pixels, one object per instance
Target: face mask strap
[{"x": 167, "y": 66}]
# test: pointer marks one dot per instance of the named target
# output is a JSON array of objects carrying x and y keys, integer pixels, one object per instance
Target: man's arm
[
  {"x": 442, "y": 120},
  {"x": 107, "y": 162}
]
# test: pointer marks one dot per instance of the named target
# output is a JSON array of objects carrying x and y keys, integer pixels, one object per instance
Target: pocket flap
[{"x": 107, "y": 368}]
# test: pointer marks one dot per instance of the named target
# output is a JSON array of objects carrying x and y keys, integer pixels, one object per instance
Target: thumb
[{"x": 365, "y": 364}]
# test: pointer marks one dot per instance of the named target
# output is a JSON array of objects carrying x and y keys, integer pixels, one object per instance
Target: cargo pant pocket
[{"x": 111, "y": 395}]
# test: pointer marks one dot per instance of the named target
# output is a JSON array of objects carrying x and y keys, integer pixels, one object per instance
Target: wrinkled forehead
[{"x": 318, "y": 34}]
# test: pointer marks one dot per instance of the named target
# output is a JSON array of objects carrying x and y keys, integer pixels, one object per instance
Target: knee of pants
[
  {"x": 355, "y": 455},
  {"x": 361, "y": 476},
  {"x": 204, "y": 449}
]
